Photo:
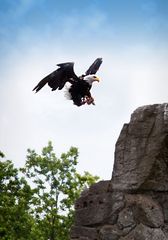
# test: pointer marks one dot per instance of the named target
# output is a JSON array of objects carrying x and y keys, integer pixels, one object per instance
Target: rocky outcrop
[{"x": 133, "y": 205}]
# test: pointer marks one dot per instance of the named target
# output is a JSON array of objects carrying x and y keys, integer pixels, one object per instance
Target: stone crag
[{"x": 133, "y": 205}]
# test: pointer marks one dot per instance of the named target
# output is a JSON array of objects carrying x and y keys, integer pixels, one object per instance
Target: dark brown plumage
[{"x": 79, "y": 90}]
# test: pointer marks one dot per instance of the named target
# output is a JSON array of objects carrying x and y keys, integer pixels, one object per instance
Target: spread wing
[
  {"x": 58, "y": 78},
  {"x": 94, "y": 67}
]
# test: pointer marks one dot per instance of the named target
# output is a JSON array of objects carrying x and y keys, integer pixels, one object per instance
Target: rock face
[
  {"x": 141, "y": 155},
  {"x": 133, "y": 205}
]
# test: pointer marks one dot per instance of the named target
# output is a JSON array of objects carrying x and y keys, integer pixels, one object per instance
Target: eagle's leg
[
  {"x": 83, "y": 100},
  {"x": 89, "y": 100}
]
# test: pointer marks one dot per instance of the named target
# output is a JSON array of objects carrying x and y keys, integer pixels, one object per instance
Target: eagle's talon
[{"x": 90, "y": 100}]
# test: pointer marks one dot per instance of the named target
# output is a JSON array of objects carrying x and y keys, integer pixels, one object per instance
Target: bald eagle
[{"x": 79, "y": 90}]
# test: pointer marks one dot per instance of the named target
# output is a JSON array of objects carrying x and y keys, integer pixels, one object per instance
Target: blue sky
[
  {"x": 130, "y": 36},
  {"x": 122, "y": 21}
]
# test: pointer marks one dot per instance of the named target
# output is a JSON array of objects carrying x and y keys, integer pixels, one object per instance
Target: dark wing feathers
[
  {"x": 94, "y": 67},
  {"x": 41, "y": 84},
  {"x": 65, "y": 73},
  {"x": 59, "y": 77}
]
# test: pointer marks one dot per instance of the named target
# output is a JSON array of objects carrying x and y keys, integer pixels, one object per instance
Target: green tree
[
  {"x": 15, "y": 196},
  {"x": 56, "y": 186}
]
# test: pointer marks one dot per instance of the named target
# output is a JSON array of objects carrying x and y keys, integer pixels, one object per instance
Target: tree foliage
[
  {"x": 40, "y": 204},
  {"x": 15, "y": 195}
]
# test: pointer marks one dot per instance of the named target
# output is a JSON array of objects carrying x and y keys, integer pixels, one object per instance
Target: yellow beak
[{"x": 97, "y": 79}]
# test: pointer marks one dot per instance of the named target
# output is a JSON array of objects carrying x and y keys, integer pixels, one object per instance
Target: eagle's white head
[{"x": 91, "y": 78}]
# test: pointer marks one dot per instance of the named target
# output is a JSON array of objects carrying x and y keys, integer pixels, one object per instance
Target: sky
[{"x": 130, "y": 36}]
